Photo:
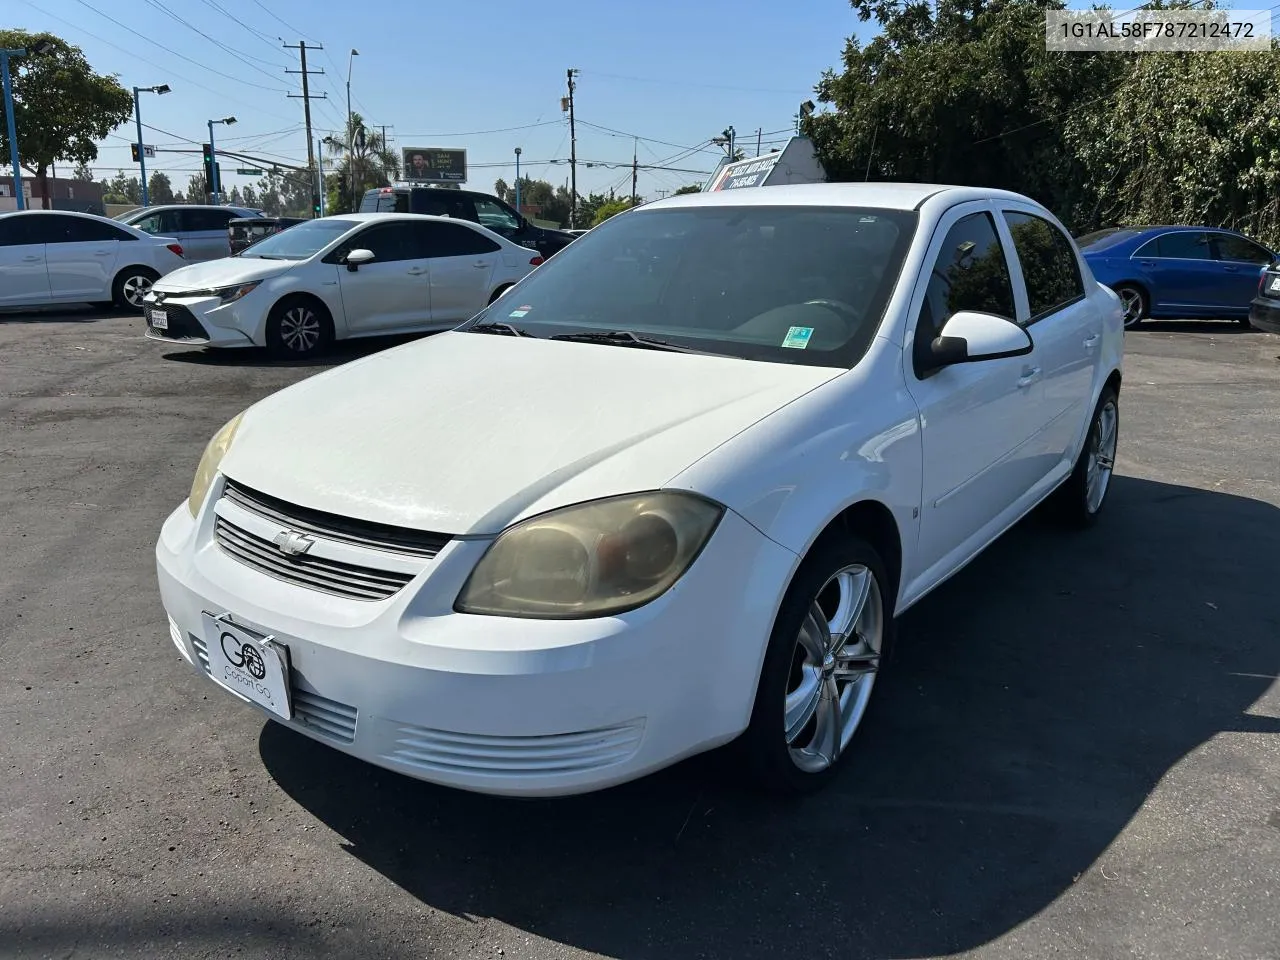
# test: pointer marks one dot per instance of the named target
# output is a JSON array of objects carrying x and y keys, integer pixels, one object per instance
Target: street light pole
[
  {"x": 518, "y": 151},
  {"x": 351, "y": 136},
  {"x": 8, "y": 118},
  {"x": 142, "y": 156},
  {"x": 215, "y": 187}
]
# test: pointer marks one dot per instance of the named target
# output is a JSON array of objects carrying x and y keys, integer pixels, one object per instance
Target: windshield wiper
[
  {"x": 626, "y": 338},
  {"x": 499, "y": 327}
]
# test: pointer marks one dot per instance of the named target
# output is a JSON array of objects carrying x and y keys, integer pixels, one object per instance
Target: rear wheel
[
  {"x": 1134, "y": 302},
  {"x": 834, "y": 625},
  {"x": 1082, "y": 497},
  {"x": 299, "y": 328},
  {"x": 131, "y": 285}
]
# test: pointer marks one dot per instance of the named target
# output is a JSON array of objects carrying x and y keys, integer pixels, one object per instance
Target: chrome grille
[
  {"x": 316, "y": 573},
  {"x": 448, "y": 752},
  {"x": 378, "y": 536}
]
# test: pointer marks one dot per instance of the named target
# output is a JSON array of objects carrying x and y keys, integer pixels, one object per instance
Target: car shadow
[
  {"x": 342, "y": 352},
  {"x": 1194, "y": 326},
  {"x": 76, "y": 313},
  {"x": 1033, "y": 704}
]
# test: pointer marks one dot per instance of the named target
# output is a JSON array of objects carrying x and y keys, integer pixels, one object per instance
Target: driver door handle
[
  {"x": 480, "y": 264},
  {"x": 1029, "y": 376},
  {"x": 1091, "y": 342},
  {"x": 416, "y": 271}
]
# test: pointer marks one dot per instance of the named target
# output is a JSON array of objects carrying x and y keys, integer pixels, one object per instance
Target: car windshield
[
  {"x": 1100, "y": 240},
  {"x": 299, "y": 242},
  {"x": 803, "y": 284}
]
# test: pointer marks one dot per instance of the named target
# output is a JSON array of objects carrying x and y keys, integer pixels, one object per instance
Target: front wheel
[
  {"x": 299, "y": 328},
  {"x": 1081, "y": 498},
  {"x": 1134, "y": 302},
  {"x": 834, "y": 625},
  {"x": 131, "y": 286}
]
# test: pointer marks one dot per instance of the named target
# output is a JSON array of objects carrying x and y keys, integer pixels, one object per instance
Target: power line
[
  {"x": 636, "y": 136},
  {"x": 686, "y": 83},
  {"x": 481, "y": 133},
  {"x": 269, "y": 41},
  {"x": 293, "y": 30},
  {"x": 157, "y": 5}
]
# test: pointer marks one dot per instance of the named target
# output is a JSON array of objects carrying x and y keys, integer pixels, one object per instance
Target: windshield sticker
[
  {"x": 520, "y": 312},
  {"x": 798, "y": 337}
]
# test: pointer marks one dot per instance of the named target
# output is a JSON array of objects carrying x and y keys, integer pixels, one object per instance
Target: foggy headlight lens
[
  {"x": 592, "y": 559},
  {"x": 232, "y": 294},
  {"x": 210, "y": 462}
]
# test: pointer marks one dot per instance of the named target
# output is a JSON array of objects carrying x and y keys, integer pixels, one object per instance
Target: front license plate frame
[
  {"x": 157, "y": 319},
  {"x": 248, "y": 663}
]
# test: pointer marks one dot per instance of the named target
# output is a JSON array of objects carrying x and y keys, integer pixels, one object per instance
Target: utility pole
[
  {"x": 759, "y": 131},
  {"x": 301, "y": 47},
  {"x": 573, "y": 154},
  {"x": 635, "y": 169}
]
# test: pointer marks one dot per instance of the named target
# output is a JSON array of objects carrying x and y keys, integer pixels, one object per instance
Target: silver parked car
[{"x": 201, "y": 229}]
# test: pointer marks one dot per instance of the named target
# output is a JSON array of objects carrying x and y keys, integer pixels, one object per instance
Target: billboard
[{"x": 435, "y": 165}]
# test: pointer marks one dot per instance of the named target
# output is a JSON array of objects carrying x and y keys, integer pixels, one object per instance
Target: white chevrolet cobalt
[
  {"x": 672, "y": 490},
  {"x": 359, "y": 275}
]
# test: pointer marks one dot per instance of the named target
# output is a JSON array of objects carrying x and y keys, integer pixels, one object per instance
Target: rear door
[
  {"x": 462, "y": 265},
  {"x": 203, "y": 233},
  {"x": 23, "y": 276},
  {"x": 1064, "y": 325},
  {"x": 80, "y": 255},
  {"x": 1241, "y": 262},
  {"x": 393, "y": 290},
  {"x": 1184, "y": 275}
]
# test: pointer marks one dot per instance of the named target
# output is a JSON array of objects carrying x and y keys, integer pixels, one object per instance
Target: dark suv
[{"x": 481, "y": 208}]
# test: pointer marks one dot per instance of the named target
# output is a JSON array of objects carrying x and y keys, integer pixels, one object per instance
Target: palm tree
[{"x": 366, "y": 158}]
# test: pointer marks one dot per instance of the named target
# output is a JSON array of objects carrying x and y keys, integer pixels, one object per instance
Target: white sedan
[
  {"x": 55, "y": 256},
  {"x": 358, "y": 275},
  {"x": 670, "y": 492}
]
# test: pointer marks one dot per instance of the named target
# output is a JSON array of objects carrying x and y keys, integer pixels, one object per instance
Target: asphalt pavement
[{"x": 1075, "y": 752}]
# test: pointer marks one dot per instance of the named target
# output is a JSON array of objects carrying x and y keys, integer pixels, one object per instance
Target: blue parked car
[{"x": 1177, "y": 272}]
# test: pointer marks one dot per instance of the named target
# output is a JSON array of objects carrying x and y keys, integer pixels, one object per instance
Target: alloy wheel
[
  {"x": 1102, "y": 455},
  {"x": 300, "y": 329},
  {"x": 834, "y": 665},
  {"x": 135, "y": 288},
  {"x": 1131, "y": 300}
]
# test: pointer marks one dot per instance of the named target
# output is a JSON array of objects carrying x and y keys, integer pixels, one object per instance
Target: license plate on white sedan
[
  {"x": 158, "y": 319},
  {"x": 1273, "y": 286},
  {"x": 253, "y": 666}
]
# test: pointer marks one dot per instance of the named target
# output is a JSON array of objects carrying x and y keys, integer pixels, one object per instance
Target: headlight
[
  {"x": 209, "y": 463},
  {"x": 591, "y": 560},
  {"x": 232, "y": 294}
]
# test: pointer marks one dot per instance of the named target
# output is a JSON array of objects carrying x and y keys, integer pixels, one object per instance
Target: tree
[
  {"x": 692, "y": 188},
  {"x": 610, "y": 209},
  {"x": 121, "y": 188},
  {"x": 250, "y": 196},
  {"x": 82, "y": 172},
  {"x": 197, "y": 188},
  {"x": 545, "y": 201},
  {"x": 159, "y": 189},
  {"x": 234, "y": 198},
  {"x": 61, "y": 107},
  {"x": 364, "y": 156}
]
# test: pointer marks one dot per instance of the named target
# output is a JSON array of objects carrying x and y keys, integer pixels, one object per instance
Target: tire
[
  {"x": 1135, "y": 304},
  {"x": 1081, "y": 498},
  {"x": 299, "y": 328},
  {"x": 131, "y": 285},
  {"x": 499, "y": 292},
  {"x": 1244, "y": 322},
  {"x": 795, "y": 689}
]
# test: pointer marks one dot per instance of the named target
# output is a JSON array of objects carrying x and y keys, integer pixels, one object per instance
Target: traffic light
[
  {"x": 315, "y": 205},
  {"x": 133, "y": 149},
  {"x": 208, "y": 166}
]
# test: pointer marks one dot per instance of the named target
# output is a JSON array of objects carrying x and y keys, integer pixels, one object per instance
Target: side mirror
[
  {"x": 970, "y": 337},
  {"x": 355, "y": 258}
]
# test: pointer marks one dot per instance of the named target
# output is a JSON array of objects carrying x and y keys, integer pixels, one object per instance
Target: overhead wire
[{"x": 158, "y": 5}]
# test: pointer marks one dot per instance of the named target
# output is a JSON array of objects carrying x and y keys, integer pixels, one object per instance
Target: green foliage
[
  {"x": 121, "y": 188},
  {"x": 61, "y": 107},
  {"x": 364, "y": 156},
  {"x": 964, "y": 92},
  {"x": 691, "y": 188},
  {"x": 539, "y": 199},
  {"x": 159, "y": 189},
  {"x": 610, "y": 209}
]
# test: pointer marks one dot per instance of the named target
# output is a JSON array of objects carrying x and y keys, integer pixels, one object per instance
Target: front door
[
  {"x": 978, "y": 420},
  {"x": 392, "y": 291},
  {"x": 462, "y": 265},
  {"x": 1065, "y": 326},
  {"x": 81, "y": 255},
  {"x": 23, "y": 277},
  {"x": 203, "y": 233},
  {"x": 1184, "y": 276}
]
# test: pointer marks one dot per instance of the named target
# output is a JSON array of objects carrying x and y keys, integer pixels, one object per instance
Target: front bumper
[
  {"x": 202, "y": 321},
  {"x": 493, "y": 704},
  {"x": 1264, "y": 315}
]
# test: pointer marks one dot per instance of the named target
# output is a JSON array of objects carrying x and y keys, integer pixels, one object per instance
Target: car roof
[
  {"x": 64, "y": 213},
  {"x": 891, "y": 196}
]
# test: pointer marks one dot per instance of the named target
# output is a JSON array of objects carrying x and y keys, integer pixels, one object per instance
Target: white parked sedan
[
  {"x": 55, "y": 256},
  {"x": 358, "y": 275},
  {"x": 671, "y": 491}
]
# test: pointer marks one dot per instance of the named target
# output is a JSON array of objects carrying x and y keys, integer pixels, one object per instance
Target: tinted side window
[
  {"x": 1184, "y": 246},
  {"x": 495, "y": 216},
  {"x": 92, "y": 231},
  {"x": 194, "y": 221},
  {"x": 450, "y": 240},
  {"x": 971, "y": 273},
  {"x": 1049, "y": 266},
  {"x": 388, "y": 241},
  {"x": 1230, "y": 247},
  {"x": 15, "y": 231}
]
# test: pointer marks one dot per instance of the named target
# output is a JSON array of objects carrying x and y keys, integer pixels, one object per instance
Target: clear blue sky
[{"x": 439, "y": 74}]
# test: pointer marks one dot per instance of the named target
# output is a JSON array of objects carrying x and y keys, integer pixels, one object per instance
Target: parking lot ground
[{"x": 1074, "y": 753}]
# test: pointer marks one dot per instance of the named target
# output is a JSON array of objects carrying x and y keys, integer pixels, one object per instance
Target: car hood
[
  {"x": 225, "y": 272},
  {"x": 466, "y": 433}
]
